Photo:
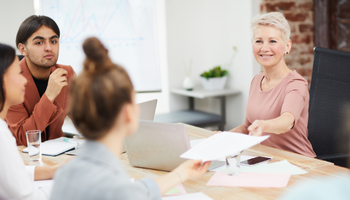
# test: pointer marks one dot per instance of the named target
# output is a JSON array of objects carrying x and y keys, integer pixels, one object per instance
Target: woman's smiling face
[{"x": 268, "y": 46}]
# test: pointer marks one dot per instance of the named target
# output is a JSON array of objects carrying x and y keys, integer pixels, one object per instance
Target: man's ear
[{"x": 22, "y": 49}]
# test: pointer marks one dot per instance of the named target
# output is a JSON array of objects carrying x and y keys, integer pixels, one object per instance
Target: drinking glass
[{"x": 34, "y": 145}]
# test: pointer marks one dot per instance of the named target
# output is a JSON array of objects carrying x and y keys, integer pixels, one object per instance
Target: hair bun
[{"x": 97, "y": 58}]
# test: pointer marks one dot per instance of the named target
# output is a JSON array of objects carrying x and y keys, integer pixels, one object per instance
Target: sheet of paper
[
  {"x": 194, "y": 143},
  {"x": 277, "y": 167},
  {"x": 274, "y": 180},
  {"x": 172, "y": 191},
  {"x": 177, "y": 190},
  {"x": 221, "y": 145},
  {"x": 232, "y": 161},
  {"x": 191, "y": 196}
]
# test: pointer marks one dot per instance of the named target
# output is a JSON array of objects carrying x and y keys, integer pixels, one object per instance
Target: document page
[
  {"x": 221, "y": 145},
  {"x": 191, "y": 196}
]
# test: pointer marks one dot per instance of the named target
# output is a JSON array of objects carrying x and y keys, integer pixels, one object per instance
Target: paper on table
[
  {"x": 277, "y": 167},
  {"x": 177, "y": 190},
  {"x": 222, "y": 145},
  {"x": 57, "y": 146},
  {"x": 275, "y": 180},
  {"x": 191, "y": 196},
  {"x": 172, "y": 191}
]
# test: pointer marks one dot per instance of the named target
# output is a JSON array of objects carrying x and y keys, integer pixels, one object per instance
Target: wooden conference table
[{"x": 314, "y": 167}]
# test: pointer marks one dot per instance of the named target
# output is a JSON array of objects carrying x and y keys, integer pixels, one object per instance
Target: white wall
[
  {"x": 12, "y": 14},
  {"x": 163, "y": 96},
  {"x": 205, "y": 31}
]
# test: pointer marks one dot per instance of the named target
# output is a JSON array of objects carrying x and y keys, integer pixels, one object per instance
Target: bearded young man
[{"x": 46, "y": 94}]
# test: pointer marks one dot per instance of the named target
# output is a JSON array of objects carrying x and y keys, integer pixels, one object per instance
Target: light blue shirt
[
  {"x": 321, "y": 189},
  {"x": 98, "y": 174}
]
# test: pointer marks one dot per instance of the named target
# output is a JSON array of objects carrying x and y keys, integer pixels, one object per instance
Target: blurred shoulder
[
  {"x": 84, "y": 173},
  {"x": 321, "y": 188}
]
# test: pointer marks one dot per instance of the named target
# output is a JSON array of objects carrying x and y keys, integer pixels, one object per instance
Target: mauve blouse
[{"x": 290, "y": 95}]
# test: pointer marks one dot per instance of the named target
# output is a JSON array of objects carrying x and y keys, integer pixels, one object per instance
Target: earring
[{"x": 286, "y": 52}]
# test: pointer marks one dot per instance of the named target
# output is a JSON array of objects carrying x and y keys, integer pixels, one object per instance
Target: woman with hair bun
[
  {"x": 103, "y": 109},
  {"x": 278, "y": 103}
]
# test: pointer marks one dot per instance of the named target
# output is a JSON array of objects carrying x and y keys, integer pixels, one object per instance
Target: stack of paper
[
  {"x": 265, "y": 175},
  {"x": 221, "y": 145},
  {"x": 277, "y": 167}
]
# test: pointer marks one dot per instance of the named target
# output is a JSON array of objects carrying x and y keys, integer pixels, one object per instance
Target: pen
[
  {"x": 70, "y": 141},
  {"x": 77, "y": 144}
]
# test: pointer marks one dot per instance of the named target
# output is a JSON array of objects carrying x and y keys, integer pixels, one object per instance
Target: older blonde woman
[{"x": 279, "y": 98}]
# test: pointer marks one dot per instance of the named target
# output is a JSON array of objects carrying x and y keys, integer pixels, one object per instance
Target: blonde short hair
[{"x": 274, "y": 19}]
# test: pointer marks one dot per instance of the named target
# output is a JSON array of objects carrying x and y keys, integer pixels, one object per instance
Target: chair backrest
[{"x": 329, "y": 108}]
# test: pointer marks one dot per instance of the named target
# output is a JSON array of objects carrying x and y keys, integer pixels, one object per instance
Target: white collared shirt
[{"x": 16, "y": 180}]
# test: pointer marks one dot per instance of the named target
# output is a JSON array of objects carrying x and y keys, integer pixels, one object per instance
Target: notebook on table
[{"x": 58, "y": 146}]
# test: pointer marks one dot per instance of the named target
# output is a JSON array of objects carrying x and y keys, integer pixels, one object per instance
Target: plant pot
[{"x": 216, "y": 83}]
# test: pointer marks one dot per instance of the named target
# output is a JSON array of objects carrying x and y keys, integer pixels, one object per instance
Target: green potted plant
[{"x": 214, "y": 79}]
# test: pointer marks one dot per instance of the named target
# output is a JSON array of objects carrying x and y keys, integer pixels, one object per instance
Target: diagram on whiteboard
[{"x": 126, "y": 28}]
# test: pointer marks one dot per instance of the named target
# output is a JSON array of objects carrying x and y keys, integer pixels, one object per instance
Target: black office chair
[{"x": 329, "y": 108}]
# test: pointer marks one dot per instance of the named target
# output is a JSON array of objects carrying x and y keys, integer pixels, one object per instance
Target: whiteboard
[{"x": 125, "y": 27}]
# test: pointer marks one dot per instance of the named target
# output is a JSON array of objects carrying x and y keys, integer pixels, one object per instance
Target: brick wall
[{"x": 299, "y": 14}]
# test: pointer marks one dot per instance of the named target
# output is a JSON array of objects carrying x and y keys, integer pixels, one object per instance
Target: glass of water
[{"x": 34, "y": 145}]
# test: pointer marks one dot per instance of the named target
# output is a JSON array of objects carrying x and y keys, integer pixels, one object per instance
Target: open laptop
[
  {"x": 147, "y": 112},
  {"x": 158, "y": 146}
]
